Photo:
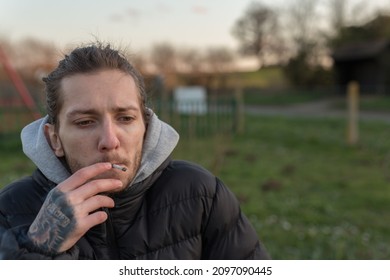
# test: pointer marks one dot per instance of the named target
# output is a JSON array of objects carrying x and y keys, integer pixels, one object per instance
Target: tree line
[
  {"x": 302, "y": 35},
  {"x": 299, "y": 37}
]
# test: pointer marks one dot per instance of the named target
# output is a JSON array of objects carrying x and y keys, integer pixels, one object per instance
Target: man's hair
[{"x": 88, "y": 59}]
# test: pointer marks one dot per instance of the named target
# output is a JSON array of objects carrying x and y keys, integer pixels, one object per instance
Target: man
[{"x": 106, "y": 187}]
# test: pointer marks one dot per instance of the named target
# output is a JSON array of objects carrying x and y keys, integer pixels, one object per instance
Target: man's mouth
[{"x": 119, "y": 167}]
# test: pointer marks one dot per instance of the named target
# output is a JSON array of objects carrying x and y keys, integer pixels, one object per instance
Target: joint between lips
[{"x": 116, "y": 166}]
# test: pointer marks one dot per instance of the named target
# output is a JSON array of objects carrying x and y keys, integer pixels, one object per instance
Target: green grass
[
  {"x": 308, "y": 194},
  {"x": 269, "y": 77},
  {"x": 283, "y": 97}
]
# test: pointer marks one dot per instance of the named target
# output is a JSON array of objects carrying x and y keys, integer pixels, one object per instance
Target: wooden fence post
[
  {"x": 353, "y": 113},
  {"x": 239, "y": 110}
]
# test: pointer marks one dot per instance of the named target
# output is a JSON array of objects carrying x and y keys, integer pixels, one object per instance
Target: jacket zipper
[{"x": 112, "y": 243}]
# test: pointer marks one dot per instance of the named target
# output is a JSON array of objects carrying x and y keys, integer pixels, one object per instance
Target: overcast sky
[{"x": 135, "y": 23}]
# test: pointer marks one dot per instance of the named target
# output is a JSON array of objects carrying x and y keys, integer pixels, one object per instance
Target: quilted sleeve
[
  {"x": 14, "y": 245},
  {"x": 229, "y": 234}
]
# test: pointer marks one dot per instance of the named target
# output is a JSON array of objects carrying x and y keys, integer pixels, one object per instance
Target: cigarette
[{"x": 119, "y": 167}]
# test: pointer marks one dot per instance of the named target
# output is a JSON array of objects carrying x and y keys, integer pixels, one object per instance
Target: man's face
[{"x": 100, "y": 121}]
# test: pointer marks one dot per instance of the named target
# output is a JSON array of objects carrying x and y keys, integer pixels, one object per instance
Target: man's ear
[{"x": 54, "y": 140}]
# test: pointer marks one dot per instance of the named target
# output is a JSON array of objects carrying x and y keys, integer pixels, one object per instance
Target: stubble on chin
[{"x": 74, "y": 165}]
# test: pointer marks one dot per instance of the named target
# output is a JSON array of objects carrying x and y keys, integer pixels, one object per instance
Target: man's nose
[{"x": 108, "y": 138}]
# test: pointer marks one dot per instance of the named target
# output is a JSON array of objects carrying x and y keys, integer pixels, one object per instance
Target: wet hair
[{"x": 84, "y": 60}]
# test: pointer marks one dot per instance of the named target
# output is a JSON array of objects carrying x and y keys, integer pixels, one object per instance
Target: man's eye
[
  {"x": 126, "y": 119},
  {"x": 84, "y": 123}
]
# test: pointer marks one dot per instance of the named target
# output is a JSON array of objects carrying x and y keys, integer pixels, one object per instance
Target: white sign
[{"x": 191, "y": 100}]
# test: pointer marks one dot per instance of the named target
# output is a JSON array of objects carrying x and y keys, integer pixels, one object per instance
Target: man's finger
[
  {"x": 83, "y": 175},
  {"x": 93, "y": 219},
  {"x": 94, "y": 203},
  {"x": 92, "y": 188}
]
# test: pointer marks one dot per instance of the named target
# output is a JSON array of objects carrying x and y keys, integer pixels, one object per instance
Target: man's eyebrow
[
  {"x": 93, "y": 111},
  {"x": 76, "y": 112},
  {"x": 126, "y": 109}
]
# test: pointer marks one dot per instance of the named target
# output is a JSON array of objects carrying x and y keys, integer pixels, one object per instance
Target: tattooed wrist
[{"x": 53, "y": 224}]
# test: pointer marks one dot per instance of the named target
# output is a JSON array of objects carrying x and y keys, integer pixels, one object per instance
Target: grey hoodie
[{"x": 159, "y": 143}]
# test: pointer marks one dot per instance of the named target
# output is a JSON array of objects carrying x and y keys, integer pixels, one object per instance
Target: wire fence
[{"x": 191, "y": 119}]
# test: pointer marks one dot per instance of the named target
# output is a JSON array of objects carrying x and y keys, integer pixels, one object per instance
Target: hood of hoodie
[{"x": 160, "y": 141}]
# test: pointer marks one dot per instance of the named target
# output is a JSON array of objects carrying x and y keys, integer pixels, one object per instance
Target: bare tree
[
  {"x": 7, "y": 48},
  {"x": 34, "y": 52},
  {"x": 359, "y": 14},
  {"x": 258, "y": 32},
  {"x": 191, "y": 60},
  {"x": 33, "y": 58},
  {"x": 303, "y": 23},
  {"x": 220, "y": 60},
  {"x": 308, "y": 47},
  {"x": 140, "y": 62},
  {"x": 338, "y": 14},
  {"x": 163, "y": 56}
]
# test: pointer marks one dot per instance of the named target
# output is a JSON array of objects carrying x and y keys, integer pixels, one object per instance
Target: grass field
[{"x": 307, "y": 193}]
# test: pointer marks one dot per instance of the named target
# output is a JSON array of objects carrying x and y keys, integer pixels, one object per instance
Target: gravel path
[{"x": 318, "y": 109}]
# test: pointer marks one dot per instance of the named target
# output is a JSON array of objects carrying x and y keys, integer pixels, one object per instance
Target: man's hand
[{"x": 69, "y": 210}]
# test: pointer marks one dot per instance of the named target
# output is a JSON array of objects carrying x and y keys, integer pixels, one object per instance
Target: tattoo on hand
[{"x": 54, "y": 222}]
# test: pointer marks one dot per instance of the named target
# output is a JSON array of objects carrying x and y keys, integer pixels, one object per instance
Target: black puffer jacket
[{"x": 181, "y": 211}]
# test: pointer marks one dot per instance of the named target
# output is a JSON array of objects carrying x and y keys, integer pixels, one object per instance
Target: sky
[{"x": 135, "y": 23}]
